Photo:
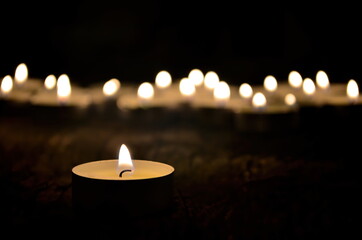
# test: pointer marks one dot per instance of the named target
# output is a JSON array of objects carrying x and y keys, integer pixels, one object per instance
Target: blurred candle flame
[
  {"x": 308, "y": 86},
  {"x": 21, "y": 73},
  {"x": 222, "y": 92},
  {"x": 259, "y": 100},
  {"x": 322, "y": 79},
  {"x": 187, "y": 87},
  {"x": 50, "y": 82},
  {"x": 245, "y": 90},
  {"x": 111, "y": 87},
  {"x": 295, "y": 79},
  {"x": 270, "y": 83},
  {"x": 6, "y": 85},
  {"x": 211, "y": 79},
  {"x": 352, "y": 90},
  {"x": 196, "y": 76},
  {"x": 124, "y": 160},
  {"x": 290, "y": 99},
  {"x": 145, "y": 91},
  {"x": 163, "y": 79},
  {"x": 63, "y": 88}
]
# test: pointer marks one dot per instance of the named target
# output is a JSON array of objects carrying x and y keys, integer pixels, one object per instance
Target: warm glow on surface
[
  {"x": 145, "y": 91},
  {"x": 259, "y": 100},
  {"x": 352, "y": 89},
  {"x": 295, "y": 79},
  {"x": 222, "y": 91},
  {"x": 50, "y": 82},
  {"x": 322, "y": 79},
  {"x": 6, "y": 84},
  {"x": 21, "y": 73},
  {"x": 308, "y": 86},
  {"x": 270, "y": 83},
  {"x": 111, "y": 87},
  {"x": 187, "y": 87},
  {"x": 245, "y": 90},
  {"x": 124, "y": 160},
  {"x": 196, "y": 76},
  {"x": 211, "y": 79},
  {"x": 63, "y": 87},
  {"x": 163, "y": 79},
  {"x": 290, "y": 99}
]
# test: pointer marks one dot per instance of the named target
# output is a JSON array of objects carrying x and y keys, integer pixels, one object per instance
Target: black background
[{"x": 92, "y": 41}]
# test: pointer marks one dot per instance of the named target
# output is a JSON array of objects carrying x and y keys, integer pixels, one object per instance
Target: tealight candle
[
  {"x": 145, "y": 94},
  {"x": 261, "y": 117},
  {"x": 123, "y": 187},
  {"x": 221, "y": 94},
  {"x": 210, "y": 80}
]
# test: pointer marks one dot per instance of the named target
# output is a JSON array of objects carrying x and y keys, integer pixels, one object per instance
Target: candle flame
[
  {"x": 290, "y": 99},
  {"x": 245, "y": 90},
  {"x": 295, "y": 79},
  {"x": 50, "y": 82},
  {"x": 352, "y": 90},
  {"x": 322, "y": 79},
  {"x": 124, "y": 160},
  {"x": 196, "y": 76},
  {"x": 222, "y": 91},
  {"x": 259, "y": 100},
  {"x": 187, "y": 87},
  {"x": 6, "y": 85},
  {"x": 21, "y": 73},
  {"x": 270, "y": 83},
  {"x": 308, "y": 86},
  {"x": 111, "y": 87},
  {"x": 163, "y": 79},
  {"x": 211, "y": 79},
  {"x": 63, "y": 88},
  {"x": 145, "y": 91}
]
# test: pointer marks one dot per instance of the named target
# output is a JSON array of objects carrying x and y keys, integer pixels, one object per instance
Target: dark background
[{"x": 92, "y": 41}]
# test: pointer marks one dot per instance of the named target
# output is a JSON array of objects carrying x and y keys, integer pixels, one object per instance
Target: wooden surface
[{"x": 228, "y": 184}]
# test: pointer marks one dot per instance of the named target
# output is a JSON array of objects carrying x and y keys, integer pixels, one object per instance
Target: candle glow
[
  {"x": 211, "y": 79},
  {"x": 187, "y": 87},
  {"x": 63, "y": 88},
  {"x": 245, "y": 90},
  {"x": 111, "y": 87},
  {"x": 222, "y": 92},
  {"x": 259, "y": 100},
  {"x": 6, "y": 85},
  {"x": 145, "y": 91},
  {"x": 50, "y": 82},
  {"x": 163, "y": 79},
  {"x": 196, "y": 76},
  {"x": 21, "y": 73},
  {"x": 308, "y": 86},
  {"x": 352, "y": 90},
  {"x": 290, "y": 99},
  {"x": 322, "y": 80},
  {"x": 295, "y": 79},
  {"x": 270, "y": 83}
]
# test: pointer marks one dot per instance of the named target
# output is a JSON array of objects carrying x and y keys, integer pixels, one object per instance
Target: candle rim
[{"x": 76, "y": 172}]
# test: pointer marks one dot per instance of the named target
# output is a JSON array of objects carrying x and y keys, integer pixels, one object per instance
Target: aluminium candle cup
[{"x": 98, "y": 191}]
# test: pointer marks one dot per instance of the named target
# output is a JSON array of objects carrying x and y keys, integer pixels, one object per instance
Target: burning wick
[{"x": 126, "y": 170}]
